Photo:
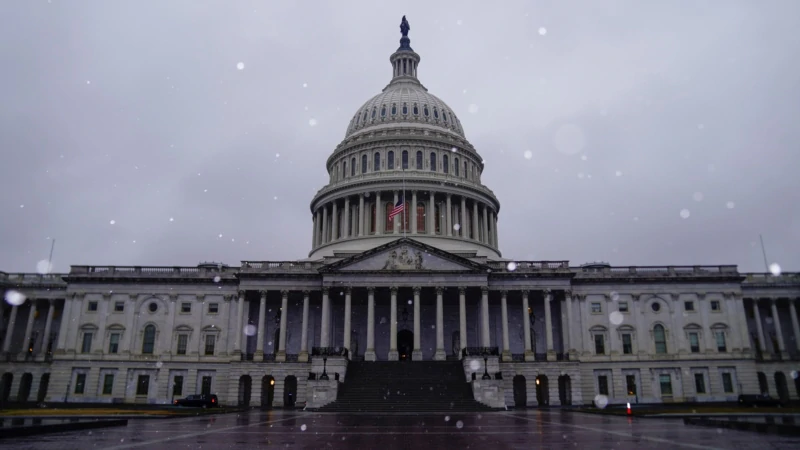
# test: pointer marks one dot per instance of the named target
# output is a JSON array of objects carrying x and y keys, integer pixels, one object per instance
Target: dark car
[
  {"x": 758, "y": 400},
  {"x": 199, "y": 401}
]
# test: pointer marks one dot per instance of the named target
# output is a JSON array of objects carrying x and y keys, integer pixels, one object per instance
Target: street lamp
[
  {"x": 324, "y": 375},
  {"x": 486, "y": 375}
]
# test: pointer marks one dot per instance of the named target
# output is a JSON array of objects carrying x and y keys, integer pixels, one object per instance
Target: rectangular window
[
  {"x": 727, "y": 382},
  {"x": 210, "y": 342},
  {"x": 177, "y": 386},
  {"x": 715, "y": 305},
  {"x": 108, "y": 384},
  {"x": 433, "y": 162},
  {"x": 596, "y": 308},
  {"x": 666, "y": 384},
  {"x": 143, "y": 385},
  {"x": 694, "y": 342},
  {"x": 113, "y": 343},
  {"x": 92, "y": 306},
  {"x": 623, "y": 307},
  {"x": 119, "y": 306},
  {"x": 627, "y": 344},
  {"x": 599, "y": 344},
  {"x": 630, "y": 383},
  {"x": 602, "y": 385},
  {"x": 688, "y": 306},
  {"x": 699, "y": 383},
  {"x": 186, "y": 307},
  {"x": 213, "y": 308},
  {"x": 206, "y": 386},
  {"x": 721, "y": 347},
  {"x": 183, "y": 342},
  {"x": 80, "y": 383},
  {"x": 86, "y": 345}
]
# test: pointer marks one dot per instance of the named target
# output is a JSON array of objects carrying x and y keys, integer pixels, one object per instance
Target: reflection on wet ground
[{"x": 512, "y": 429}]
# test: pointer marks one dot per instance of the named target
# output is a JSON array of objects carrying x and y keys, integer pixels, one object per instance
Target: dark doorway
[
  {"x": 565, "y": 390},
  {"x": 25, "y": 387},
  {"x": 276, "y": 341},
  {"x": 542, "y": 391},
  {"x": 289, "y": 391},
  {"x": 781, "y": 387},
  {"x": 520, "y": 392},
  {"x": 405, "y": 344},
  {"x": 245, "y": 387},
  {"x": 763, "y": 387},
  {"x": 267, "y": 391},
  {"x": 5, "y": 386},
  {"x": 44, "y": 382}
]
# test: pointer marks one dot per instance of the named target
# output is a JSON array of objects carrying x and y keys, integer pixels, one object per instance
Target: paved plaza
[{"x": 500, "y": 430}]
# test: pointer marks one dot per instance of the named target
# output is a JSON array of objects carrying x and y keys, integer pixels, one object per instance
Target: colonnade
[
  {"x": 27, "y": 345},
  {"x": 776, "y": 323},
  {"x": 443, "y": 214}
]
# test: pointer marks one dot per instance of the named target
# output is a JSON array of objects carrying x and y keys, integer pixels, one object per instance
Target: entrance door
[
  {"x": 289, "y": 391},
  {"x": 520, "y": 392},
  {"x": 267, "y": 391},
  {"x": 245, "y": 385},
  {"x": 405, "y": 344},
  {"x": 542, "y": 391}
]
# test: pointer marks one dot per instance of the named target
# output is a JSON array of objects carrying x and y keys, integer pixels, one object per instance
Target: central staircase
[{"x": 405, "y": 386}]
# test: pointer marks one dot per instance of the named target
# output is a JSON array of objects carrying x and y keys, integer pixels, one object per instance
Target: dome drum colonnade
[{"x": 405, "y": 143}]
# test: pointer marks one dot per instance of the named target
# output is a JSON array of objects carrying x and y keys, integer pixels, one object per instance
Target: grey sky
[{"x": 136, "y": 112}]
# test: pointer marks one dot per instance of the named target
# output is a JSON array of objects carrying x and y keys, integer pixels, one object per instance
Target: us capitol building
[{"x": 426, "y": 284}]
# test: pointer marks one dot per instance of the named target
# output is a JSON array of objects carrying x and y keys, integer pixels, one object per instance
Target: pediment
[{"x": 404, "y": 255}]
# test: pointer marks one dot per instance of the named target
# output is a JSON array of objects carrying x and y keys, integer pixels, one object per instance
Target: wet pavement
[{"x": 500, "y": 430}]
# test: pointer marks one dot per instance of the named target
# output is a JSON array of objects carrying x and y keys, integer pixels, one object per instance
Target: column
[
  {"x": 347, "y": 313},
  {"x": 396, "y": 220},
  {"x": 744, "y": 332},
  {"x": 29, "y": 325},
  {"x": 449, "y": 216},
  {"x": 325, "y": 334},
  {"x": 476, "y": 235},
  {"x": 705, "y": 308},
  {"x": 369, "y": 354},
  {"x": 314, "y": 232},
  {"x": 281, "y": 355},
  {"x": 62, "y": 329},
  {"x": 262, "y": 323},
  {"x": 485, "y": 342},
  {"x": 462, "y": 318},
  {"x": 346, "y": 231},
  {"x": 51, "y": 309},
  {"x": 496, "y": 234},
  {"x": 795, "y": 325},
  {"x": 303, "y": 356},
  {"x": 10, "y": 330},
  {"x": 778, "y": 330},
  {"x": 526, "y": 327},
  {"x": 431, "y": 218},
  {"x": 416, "y": 355},
  {"x": 324, "y": 239},
  {"x": 548, "y": 324},
  {"x": 413, "y": 212},
  {"x": 393, "y": 355},
  {"x": 439, "y": 355},
  {"x": 759, "y": 328},
  {"x": 568, "y": 334},
  {"x": 464, "y": 230},
  {"x": 103, "y": 307},
  {"x": 237, "y": 343},
  {"x": 378, "y": 215},
  {"x": 361, "y": 214},
  {"x": 506, "y": 355},
  {"x": 335, "y": 222},
  {"x": 485, "y": 227}
]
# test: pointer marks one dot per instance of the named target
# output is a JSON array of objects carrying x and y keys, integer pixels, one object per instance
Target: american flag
[{"x": 398, "y": 208}]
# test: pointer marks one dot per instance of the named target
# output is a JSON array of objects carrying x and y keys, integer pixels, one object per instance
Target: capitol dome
[{"x": 405, "y": 168}]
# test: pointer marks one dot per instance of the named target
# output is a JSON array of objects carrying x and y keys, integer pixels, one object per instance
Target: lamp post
[
  {"x": 486, "y": 375},
  {"x": 324, "y": 375}
]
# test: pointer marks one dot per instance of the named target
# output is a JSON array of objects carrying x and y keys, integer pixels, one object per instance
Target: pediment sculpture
[{"x": 404, "y": 260}]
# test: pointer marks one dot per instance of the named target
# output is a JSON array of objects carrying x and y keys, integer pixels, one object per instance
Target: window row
[
  {"x": 664, "y": 381},
  {"x": 186, "y": 307},
  {"x": 624, "y": 307},
  {"x": 432, "y": 163},
  {"x": 659, "y": 339},
  {"x": 369, "y": 116},
  {"x": 142, "y": 384},
  {"x": 148, "y": 341}
]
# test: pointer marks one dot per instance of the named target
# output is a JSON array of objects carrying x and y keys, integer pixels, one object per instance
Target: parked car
[
  {"x": 758, "y": 400},
  {"x": 199, "y": 401}
]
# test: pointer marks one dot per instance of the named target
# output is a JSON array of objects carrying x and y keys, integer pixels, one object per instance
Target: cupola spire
[{"x": 404, "y": 60}]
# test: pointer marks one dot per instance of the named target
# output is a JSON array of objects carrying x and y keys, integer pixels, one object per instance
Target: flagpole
[{"x": 405, "y": 207}]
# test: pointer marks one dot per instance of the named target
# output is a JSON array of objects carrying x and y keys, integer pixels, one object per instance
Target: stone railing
[
  {"x": 279, "y": 266},
  {"x": 529, "y": 266},
  {"x": 657, "y": 271},
  {"x": 33, "y": 279},
  {"x": 787, "y": 278},
  {"x": 481, "y": 351},
  {"x": 152, "y": 271}
]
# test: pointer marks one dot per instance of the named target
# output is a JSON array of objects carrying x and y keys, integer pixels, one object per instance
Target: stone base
[
  {"x": 551, "y": 355},
  {"x": 394, "y": 355},
  {"x": 258, "y": 356},
  {"x": 529, "y": 356},
  {"x": 416, "y": 355},
  {"x": 489, "y": 392},
  {"x": 506, "y": 356},
  {"x": 440, "y": 355},
  {"x": 370, "y": 355},
  {"x": 302, "y": 357},
  {"x": 321, "y": 392},
  {"x": 280, "y": 356}
]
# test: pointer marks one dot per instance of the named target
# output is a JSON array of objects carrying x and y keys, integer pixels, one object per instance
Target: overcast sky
[{"x": 600, "y": 123}]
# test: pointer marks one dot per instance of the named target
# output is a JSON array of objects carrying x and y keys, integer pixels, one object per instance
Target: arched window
[
  {"x": 390, "y": 160},
  {"x": 383, "y": 111},
  {"x": 419, "y": 160},
  {"x": 405, "y": 159},
  {"x": 435, "y": 113},
  {"x": 445, "y": 164},
  {"x": 355, "y": 119},
  {"x": 660, "y": 338},
  {"x": 405, "y": 109},
  {"x": 394, "y": 108},
  {"x": 374, "y": 112},
  {"x": 437, "y": 225},
  {"x": 433, "y": 162},
  {"x": 444, "y": 116},
  {"x": 421, "y": 217},
  {"x": 416, "y": 109},
  {"x": 425, "y": 110},
  {"x": 372, "y": 218},
  {"x": 466, "y": 174},
  {"x": 353, "y": 167},
  {"x": 363, "y": 163},
  {"x": 376, "y": 166},
  {"x": 149, "y": 340},
  {"x": 344, "y": 169},
  {"x": 364, "y": 119},
  {"x": 388, "y": 224},
  {"x": 455, "y": 165}
]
